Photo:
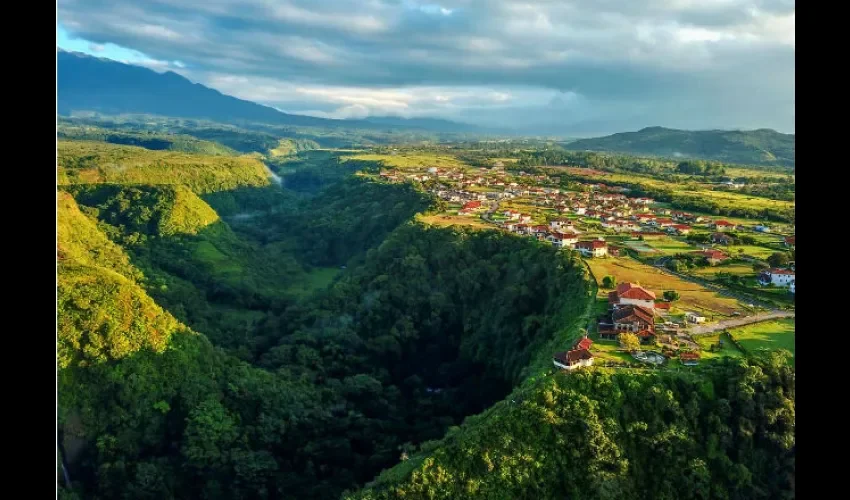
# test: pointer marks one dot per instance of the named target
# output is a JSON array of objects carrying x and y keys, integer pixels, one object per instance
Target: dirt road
[{"x": 744, "y": 320}]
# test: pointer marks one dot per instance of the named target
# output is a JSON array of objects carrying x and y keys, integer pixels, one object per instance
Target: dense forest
[{"x": 726, "y": 433}]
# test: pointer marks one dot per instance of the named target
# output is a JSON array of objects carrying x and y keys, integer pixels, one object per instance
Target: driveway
[{"x": 745, "y": 320}]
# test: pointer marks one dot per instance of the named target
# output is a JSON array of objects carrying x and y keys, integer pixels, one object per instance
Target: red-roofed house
[
  {"x": 584, "y": 343},
  {"x": 633, "y": 319},
  {"x": 570, "y": 360},
  {"x": 632, "y": 294},
  {"x": 563, "y": 240},
  {"x": 689, "y": 358},
  {"x": 790, "y": 241},
  {"x": 471, "y": 205},
  {"x": 722, "y": 225},
  {"x": 680, "y": 229},
  {"x": 595, "y": 248},
  {"x": 713, "y": 257}
]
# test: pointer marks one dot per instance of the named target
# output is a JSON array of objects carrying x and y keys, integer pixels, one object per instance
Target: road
[{"x": 744, "y": 320}]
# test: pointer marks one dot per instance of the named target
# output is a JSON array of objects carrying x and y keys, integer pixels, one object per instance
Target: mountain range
[
  {"x": 753, "y": 147},
  {"x": 86, "y": 83}
]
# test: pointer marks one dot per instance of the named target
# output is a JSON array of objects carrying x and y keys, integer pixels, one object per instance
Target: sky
[{"x": 568, "y": 66}]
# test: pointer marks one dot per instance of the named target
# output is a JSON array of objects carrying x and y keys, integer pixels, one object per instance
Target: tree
[
  {"x": 671, "y": 295},
  {"x": 778, "y": 259},
  {"x": 629, "y": 341},
  {"x": 760, "y": 266},
  {"x": 609, "y": 282}
]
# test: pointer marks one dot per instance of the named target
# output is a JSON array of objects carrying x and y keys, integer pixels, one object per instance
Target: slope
[{"x": 754, "y": 147}]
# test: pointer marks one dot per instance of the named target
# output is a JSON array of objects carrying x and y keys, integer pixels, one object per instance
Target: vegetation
[
  {"x": 755, "y": 147},
  {"x": 726, "y": 433},
  {"x": 629, "y": 341}
]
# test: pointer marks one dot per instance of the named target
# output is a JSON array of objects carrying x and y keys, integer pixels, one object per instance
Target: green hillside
[
  {"x": 600, "y": 434},
  {"x": 752, "y": 147},
  {"x": 86, "y": 162}
]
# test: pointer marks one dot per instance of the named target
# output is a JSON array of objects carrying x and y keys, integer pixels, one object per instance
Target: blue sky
[{"x": 582, "y": 65}]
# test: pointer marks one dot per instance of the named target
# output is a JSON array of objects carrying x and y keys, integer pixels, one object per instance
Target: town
[{"x": 673, "y": 284}]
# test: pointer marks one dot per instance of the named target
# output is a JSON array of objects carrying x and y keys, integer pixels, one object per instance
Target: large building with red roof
[{"x": 632, "y": 294}]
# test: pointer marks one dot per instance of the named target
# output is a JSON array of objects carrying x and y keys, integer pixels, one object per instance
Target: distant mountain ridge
[
  {"x": 86, "y": 83},
  {"x": 754, "y": 147}
]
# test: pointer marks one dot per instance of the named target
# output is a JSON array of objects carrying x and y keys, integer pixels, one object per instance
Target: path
[{"x": 745, "y": 320}]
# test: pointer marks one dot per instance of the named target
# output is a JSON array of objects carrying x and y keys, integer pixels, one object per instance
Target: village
[{"x": 674, "y": 285}]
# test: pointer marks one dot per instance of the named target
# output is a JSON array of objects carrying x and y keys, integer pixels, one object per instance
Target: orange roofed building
[{"x": 631, "y": 294}]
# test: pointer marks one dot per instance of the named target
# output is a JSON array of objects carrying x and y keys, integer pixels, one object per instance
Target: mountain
[
  {"x": 431, "y": 124},
  {"x": 754, "y": 147},
  {"x": 86, "y": 83}
]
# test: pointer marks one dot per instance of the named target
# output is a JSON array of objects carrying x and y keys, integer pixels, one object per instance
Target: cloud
[{"x": 732, "y": 61}]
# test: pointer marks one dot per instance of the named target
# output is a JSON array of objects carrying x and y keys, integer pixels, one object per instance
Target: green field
[
  {"x": 667, "y": 245},
  {"x": 767, "y": 335}
]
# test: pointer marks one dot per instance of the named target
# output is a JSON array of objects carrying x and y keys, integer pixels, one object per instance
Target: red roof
[
  {"x": 681, "y": 227},
  {"x": 781, "y": 271},
  {"x": 584, "y": 343},
  {"x": 662, "y": 305},
  {"x": 631, "y": 313},
  {"x": 723, "y": 223},
  {"x": 711, "y": 254},
  {"x": 632, "y": 291},
  {"x": 471, "y": 204},
  {"x": 569, "y": 358},
  {"x": 689, "y": 355},
  {"x": 591, "y": 245},
  {"x": 790, "y": 239}
]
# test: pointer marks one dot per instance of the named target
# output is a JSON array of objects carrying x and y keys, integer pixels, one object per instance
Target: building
[
  {"x": 689, "y": 358},
  {"x": 790, "y": 241},
  {"x": 793, "y": 287},
  {"x": 595, "y": 248},
  {"x": 632, "y": 294},
  {"x": 779, "y": 277},
  {"x": 563, "y": 240},
  {"x": 584, "y": 343},
  {"x": 471, "y": 205},
  {"x": 722, "y": 225},
  {"x": 721, "y": 239},
  {"x": 570, "y": 360},
  {"x": 713, "y": 257},
  {"x": 693, "y": 317},
  {"x": 633, "y": 319},
  {"x": 762, "y": 229},
  {"x": 679, "y": 229}
]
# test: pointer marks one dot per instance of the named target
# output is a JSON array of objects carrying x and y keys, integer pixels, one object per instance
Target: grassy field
[
  {"x": 316, "y": 279},
  {"x": 753, "y": 251},
  {"x": 727, "y": 199},
  {"x": 706, "y": 341},
  {"x": 748, "y": 172},
  {"x": 767, "y": 335},
  {"x": 413, "y": 161},
  {"x": 739, "y": 269},
  {"x": 455, "y": 220},
  {"x": 667, "y": 245},
  {"x": 693, "y": 296}
]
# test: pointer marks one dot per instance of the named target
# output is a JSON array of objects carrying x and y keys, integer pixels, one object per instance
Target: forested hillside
[
  {"x": 725, "y": 434},
  {"x": 751, "y": 147}
]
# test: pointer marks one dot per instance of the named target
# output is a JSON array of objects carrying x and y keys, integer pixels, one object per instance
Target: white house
[
  {"x": 693, "y": 317},
  {"x": 570, "y": 360},
  {"x": 793, "y": 288},
  {"x": 563, "y": 240},
  {"x": 632, "y": 294},
  {"x": 594, "y": 248},
  {"x": 779, "y": 277}
]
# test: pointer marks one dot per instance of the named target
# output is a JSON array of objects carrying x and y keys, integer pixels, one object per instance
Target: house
[
  {"x": 789, "y": 241},
  {"x": 471, "y": 205},
  {"x": 633, "y": 319},
  {"x": 679, "y": 229},
  {"x": 689, "y": 358},
  {"x": 570, "y": 360},
  {"x": 722, "y": 239},
  {"x": 644, "y": 201},
  {"x": 614, "y": 251},
  {"x": 713, "y": 257},
  {"x": 779, "y": 277},
  {"x": 722, "y": 225},
  {"x": 511, "y": 214},
  {"x": 524, "y": 218},
  {"x": 584, "y": 343},
  {"x": 762, "y": 229},
  {"x": 793, "y": 287},
  {"x": 562, "y": 240},
  {"x": 595, "y": 248},
  {"x": 631, "y": 294},
  {"x": 693, "y": 317}
]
